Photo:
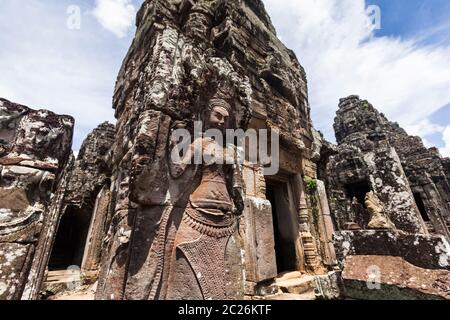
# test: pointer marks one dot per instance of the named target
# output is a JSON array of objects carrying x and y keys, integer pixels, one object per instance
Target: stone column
[
  {"x": 260, "y": 259},
  {"x": 326, "y": 228},
  {"x": 48, "y": 235},
  {"x": 92, "y": 253},
  {"x": 308, "y": 241}
]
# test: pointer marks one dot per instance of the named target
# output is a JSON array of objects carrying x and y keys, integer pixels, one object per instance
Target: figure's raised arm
[{"x": 182, "y": 150}]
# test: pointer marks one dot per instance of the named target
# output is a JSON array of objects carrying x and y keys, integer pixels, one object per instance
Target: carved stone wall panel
[{"x": 184, "y": 53}]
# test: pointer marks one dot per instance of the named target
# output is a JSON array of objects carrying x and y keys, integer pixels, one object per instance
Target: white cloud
[
  {"x": 407, "y": 81},
  {"x": 116, "y": 16},
  {"x": 445, "y": 151},
  {"x": 424, "y": 128},
  {"x": 46, "y": 65},
  {"x": 7, "y": 92}
]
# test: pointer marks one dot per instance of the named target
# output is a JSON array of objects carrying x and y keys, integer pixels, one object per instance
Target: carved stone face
[{"x": 218, "y": 118}]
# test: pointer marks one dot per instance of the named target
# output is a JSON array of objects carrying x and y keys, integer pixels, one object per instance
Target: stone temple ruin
[
  {"x": 389, "y": 199},
  {"x": 336, "y": 221},
  {"x": 35, "y": 156}
]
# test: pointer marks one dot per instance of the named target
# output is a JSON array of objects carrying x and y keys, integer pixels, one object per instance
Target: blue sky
[
  {"x": 403, "y": 68},
  {"x": 408, "y": 18},
  {"x": 44, "y": 64}
]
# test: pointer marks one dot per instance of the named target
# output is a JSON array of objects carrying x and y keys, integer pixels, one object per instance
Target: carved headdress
[{"x": 218, "y": 102}]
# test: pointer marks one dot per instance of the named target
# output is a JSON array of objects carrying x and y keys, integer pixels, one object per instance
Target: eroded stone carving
[
  {"x": 379, "y": 219},
  {"x": 198, "y": 262}
]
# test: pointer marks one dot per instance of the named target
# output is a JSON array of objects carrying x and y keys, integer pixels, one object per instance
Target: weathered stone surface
[
  {"x": 35, "y": 149},
  {"x": 260, "y": 259},
  {"x": 297, "y": 285},
  {"x": 155, "y": 229},
  {"x": 92, "y": 168},
  {"x": 392, "y": 278},
  {"x": 329, "y": 286},
  {"x": 429, "y": 252},
  {"x": 34, "y": 138},
  {"x": 15, "y": 261},
  {"x": 446, "y": 165}
]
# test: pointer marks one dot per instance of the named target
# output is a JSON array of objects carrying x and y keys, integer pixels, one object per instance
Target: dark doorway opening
[
  {"x": 358, "y": 190},
  {"x": 283, "y": 225},
  {"x": 68, "y": 249},
  {"x": 421, "y": 206}
]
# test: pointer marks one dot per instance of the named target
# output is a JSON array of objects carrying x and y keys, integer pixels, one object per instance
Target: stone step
[
  {"x": 292, "y": 296},
  {"x": 298, "y": 285},
  {"x": 288, "y": 276},
  {"x": 63, "y": 276},
  {"x": 84, "y": 293}
]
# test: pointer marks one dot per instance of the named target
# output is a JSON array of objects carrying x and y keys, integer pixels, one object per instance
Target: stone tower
[
  {"x": 378, "y": 155},
  {"x": 388, "y": 195},
  {"x": 184, "y": 54}
]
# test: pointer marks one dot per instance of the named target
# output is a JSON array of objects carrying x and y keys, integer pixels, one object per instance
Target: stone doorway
[
  {"x": 359, "y": 217},
  {"x": 285, "y": 224},
  {"x": 358, "y": 190},
  {"x": 68, "y": 249},
  {"x": 423, "y": 212},
  {"x": 421, "y": 206}
]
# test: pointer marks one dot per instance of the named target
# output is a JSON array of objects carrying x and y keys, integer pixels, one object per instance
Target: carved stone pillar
[
  {"x": 326, "y": 227},
  {"x": 92, "y": 253},
  {"x": 308, "y": 241}
]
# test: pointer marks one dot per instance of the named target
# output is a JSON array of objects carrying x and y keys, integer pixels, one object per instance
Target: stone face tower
[
  {"x": 186, "y": 53},
  {"x": 388, "y": 195},
  {"x": 378, "y": 155}
]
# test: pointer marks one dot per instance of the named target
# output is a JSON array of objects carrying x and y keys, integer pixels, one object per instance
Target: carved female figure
[{"x": 205, "y": 257}]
